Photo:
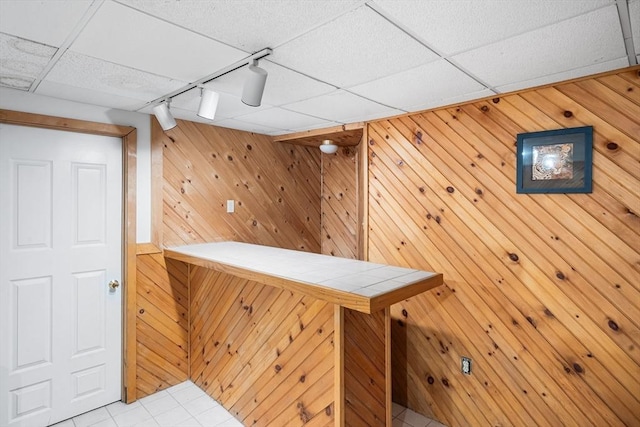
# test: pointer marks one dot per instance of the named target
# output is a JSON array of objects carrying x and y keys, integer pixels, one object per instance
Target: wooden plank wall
[
  {"x": 542, "y": 291},
  {"x": 265, "y": 354},
  {"x": 276, "y": 188},
  {"x": 339, "y": 203},
  {"x": 161, "y": 324},
  {"x": 364, "y": 368}
]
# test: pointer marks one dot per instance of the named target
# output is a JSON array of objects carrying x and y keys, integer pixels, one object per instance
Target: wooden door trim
[{"x": 129, "y": 146}]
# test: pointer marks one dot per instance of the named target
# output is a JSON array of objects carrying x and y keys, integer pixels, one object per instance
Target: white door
[{"x": 60, "y": 246}]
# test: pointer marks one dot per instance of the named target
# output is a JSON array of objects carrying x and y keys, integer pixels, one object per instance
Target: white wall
[{"x": 16, "y": 100}]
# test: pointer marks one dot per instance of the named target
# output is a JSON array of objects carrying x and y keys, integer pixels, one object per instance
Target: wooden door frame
[{"x": 129, "y": 146}]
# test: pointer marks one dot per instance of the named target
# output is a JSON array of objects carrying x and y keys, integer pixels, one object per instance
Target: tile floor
[{"x": 186, "y": 405}]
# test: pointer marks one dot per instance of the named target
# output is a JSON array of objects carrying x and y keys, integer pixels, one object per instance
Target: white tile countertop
[{"x": 361, "y": 285}]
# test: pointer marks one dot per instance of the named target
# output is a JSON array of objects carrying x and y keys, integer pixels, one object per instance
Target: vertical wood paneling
[
  {"x": 265, "y": 354},
  {"x": 276, "y": 188},
  {"x": 542, "y": 291},
  {"x": 162, "y": 323},
  {"x": 339, "y": 203}
]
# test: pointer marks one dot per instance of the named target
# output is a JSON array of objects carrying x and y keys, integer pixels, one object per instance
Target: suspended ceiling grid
[{"x": 334, "y": 62}]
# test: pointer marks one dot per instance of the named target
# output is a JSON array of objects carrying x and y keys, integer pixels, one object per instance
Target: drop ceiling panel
[
  {"x": 283, "y": 85},
  {"x": 343, "y": 107},
  {"x": 88, "y": 96},
  {"x": 600, "y": 67},
  {"x": 250, "y": 127},
  {"x": 572, "y": 44},
  {"x": 634, "y": 14},
  {"x": 86, "y": 72},
  {"x": 455, "y": 26},
  {"x": 284, "y": 119},
  {"x": 22, "y": 61},
  {"x": 356, "y": 48},
  {"x": 48, "y": 22},
  {"x": 125, "y": 36},
  {"x": 429, "y": 83},
  {"x": 249, "y": 25}
]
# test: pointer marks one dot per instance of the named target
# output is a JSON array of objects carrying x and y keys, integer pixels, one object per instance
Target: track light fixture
[
  {"x": 208, "y": 103},
  {"x": 254, "y": 85},
  {"x": 251, "y": 93},
  {"x": 328, "y": 147},
  {"x": 164, "y": 116}
]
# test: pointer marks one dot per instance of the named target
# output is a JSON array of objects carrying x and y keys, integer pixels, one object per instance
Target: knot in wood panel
[
  {"x": 612, "y": 146},
  {"x": 567, "y": 114},
  {"x": 514, "y": 257}
]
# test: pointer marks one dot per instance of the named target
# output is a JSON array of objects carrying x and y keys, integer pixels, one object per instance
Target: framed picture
[{"x": 555, "y": 161}]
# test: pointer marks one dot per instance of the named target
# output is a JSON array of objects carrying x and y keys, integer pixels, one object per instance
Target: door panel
[{"x": 60, "y": 245}]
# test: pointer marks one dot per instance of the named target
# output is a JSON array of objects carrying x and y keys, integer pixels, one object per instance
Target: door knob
[{"x": 113, "y": 284}]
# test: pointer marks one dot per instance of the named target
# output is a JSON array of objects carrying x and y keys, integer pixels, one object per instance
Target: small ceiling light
[
  {"x": 328, "y": 147},
  {"x": 208, "y": 104},
  {"x": 254, "y": 86},
  {"x": 162, "y": 113}
]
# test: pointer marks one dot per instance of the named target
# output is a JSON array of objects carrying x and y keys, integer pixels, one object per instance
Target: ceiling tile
[
  {"x": 579, "y": 42},
  {"x": 88, "y": 96},
  {"x": 22, "y": 61},
  {"x": 86, "y": 72},
  {"x": 454, "y": 26},
  {"x": 249, "y": 25},
  {"x": 358, "y": 47},
  {"x": 283, "y": 85},
  {"x": 600, "y": 67},
  {"x": 250, "y": 127},
  {"x": 122, "y": 35},
  {"x": 634, "y": 14},
  {"x": 282, "y": 119},
  {"x": 426, "y": 84},
  {"x": 48, "y": 22},
  {"x": 451, "y": 101},
  {"x": 343, "y": 107}
]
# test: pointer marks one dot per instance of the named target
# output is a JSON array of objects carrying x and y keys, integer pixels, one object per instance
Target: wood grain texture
[
  {"x": 275, "y": 186},
  {"x": 542, "y": 291},
  {"x": 365, "y": 376},
  {"x": 265, "y": 354},
  {"x": 339, "y": 203},
  {"x": 162, "y": 323}
]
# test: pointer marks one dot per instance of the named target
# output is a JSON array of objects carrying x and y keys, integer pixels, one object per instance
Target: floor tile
[
  {"x": 200, "y": 405},
  {"x": 159, "y": 406},
  {"x": 413, "y": 418},
  {"x": 109, "y": 422},
  {"x": 154, "y": 396},
  {"x": 91, "y": 417},
  {"x": 173, "y": 417},
  {"x": 118, "y": 408},
  {"x": 133, "y": 417},
  {"x": 214, "y": 416},
  {"x": 182, "y": 385},
  {"x": 187, "y": 394}
]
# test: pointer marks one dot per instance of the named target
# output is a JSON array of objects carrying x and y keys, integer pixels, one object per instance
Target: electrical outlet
[
  {"x": 465, "y": 365},
  {"x": 231, "y": 206}
]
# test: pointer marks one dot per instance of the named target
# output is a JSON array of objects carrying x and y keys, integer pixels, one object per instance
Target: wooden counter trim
[{"x": 342, "y": 298}]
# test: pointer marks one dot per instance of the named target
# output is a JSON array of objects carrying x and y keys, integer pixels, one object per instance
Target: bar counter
[{"x": 282, "y": 337}]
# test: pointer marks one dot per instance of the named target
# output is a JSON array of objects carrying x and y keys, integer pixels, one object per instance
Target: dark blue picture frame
[{"x": 555, "y": 161}]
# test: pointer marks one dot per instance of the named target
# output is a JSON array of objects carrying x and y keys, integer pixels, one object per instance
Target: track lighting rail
[{"x": 249, "y": 60}]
